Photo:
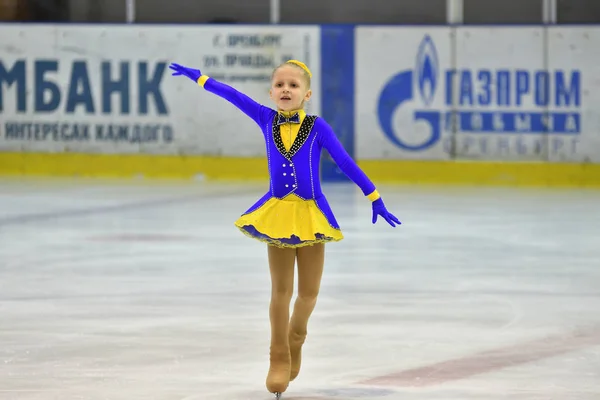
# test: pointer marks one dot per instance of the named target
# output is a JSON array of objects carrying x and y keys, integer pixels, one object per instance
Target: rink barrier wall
[
  {"x": 440, "y": 105},
  {"x": 254, "y": 169},
  {"x": 133, "y": 166}
]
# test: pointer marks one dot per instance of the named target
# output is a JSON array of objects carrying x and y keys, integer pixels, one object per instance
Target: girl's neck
[{"x": 290, "y": 112}]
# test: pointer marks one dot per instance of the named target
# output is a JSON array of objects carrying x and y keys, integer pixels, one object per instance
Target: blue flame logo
[
  {"x": 427, "y": 69},
  {"x": 402, "y": 88}
]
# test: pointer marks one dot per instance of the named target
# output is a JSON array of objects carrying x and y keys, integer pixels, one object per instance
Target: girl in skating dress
[{"x": 293, "y": 218}]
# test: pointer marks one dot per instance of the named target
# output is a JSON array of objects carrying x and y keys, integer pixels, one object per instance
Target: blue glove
[
  {"x": 191, "y": 73},
  {"x": 379, "y": 209}
]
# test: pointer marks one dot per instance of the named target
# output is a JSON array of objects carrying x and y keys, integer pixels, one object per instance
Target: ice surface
[{"x": 136, "y": 290}]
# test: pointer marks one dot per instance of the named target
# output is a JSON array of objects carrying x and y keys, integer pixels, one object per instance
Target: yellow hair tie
[{"x": 301, "y": 65}]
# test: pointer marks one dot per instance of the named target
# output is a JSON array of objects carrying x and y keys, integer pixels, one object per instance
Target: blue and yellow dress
[{"x": 294, "y": 212}]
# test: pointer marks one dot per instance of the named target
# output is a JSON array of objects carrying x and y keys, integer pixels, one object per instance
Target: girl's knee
[
  {"x": 282, "y": 293},
  {"x": 308, "y": 295}
]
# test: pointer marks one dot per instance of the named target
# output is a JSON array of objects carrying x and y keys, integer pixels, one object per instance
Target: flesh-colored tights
[{"x": 288, "y": 335}]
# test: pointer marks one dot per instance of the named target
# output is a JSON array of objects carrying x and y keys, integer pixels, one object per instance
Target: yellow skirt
[{"x": 288, "y": 222}]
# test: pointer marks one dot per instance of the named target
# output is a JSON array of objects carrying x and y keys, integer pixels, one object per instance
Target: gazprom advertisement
[{"x": 472, "y": 94}]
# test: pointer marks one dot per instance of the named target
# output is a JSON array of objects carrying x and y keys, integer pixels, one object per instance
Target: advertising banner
[
  {"x": 476, "y": 93},
  {"x": 108, "y": 88}
]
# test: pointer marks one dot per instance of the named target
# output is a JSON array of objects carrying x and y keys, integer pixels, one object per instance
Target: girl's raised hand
[{"x": 191, "y": 73}]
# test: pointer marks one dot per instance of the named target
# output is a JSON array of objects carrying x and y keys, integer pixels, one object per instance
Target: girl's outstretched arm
[
  {"x": 340, "y": 156},
  {"x": 246, "y": 104}
]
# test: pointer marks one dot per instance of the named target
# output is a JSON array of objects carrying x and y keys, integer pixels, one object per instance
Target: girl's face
[{"x": 289, "y": 88}]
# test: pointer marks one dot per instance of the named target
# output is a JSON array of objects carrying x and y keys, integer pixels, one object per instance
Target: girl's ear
[{"x": 308, "y": 95}]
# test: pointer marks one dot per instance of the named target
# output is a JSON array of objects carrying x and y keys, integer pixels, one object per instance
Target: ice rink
[{"x": 147, "y": 291}]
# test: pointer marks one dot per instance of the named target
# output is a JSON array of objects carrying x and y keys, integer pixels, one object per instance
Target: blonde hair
[{"x": 300, "y": 65}]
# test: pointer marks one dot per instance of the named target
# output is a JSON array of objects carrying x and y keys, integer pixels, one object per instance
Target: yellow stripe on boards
[
  {"x": 240, "y": 168},
  {"x": 125, "y": 166},
  {"x": 482, "y": 173}
]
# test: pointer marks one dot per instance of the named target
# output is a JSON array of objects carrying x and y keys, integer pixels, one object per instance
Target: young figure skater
[{"x": 293, "y": 217}]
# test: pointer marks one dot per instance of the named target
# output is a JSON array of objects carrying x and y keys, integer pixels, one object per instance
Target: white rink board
[
  {"x": 81, "y": 60},
  {"x": 396, "y": 50},
  {"x": 511, "y": 101},
  {"x": 485, "y": 53},
  {"x": 577, "y": 48}
]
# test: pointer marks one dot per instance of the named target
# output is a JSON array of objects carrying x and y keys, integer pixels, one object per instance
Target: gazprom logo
[
  {"x": 485, "y": 105},
  {"x": 427, "y": 69}
]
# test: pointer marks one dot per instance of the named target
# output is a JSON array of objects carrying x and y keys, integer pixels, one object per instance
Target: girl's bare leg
[
  {"x": 281, "y": 266},
  {"x": 310, "y": 271}
]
